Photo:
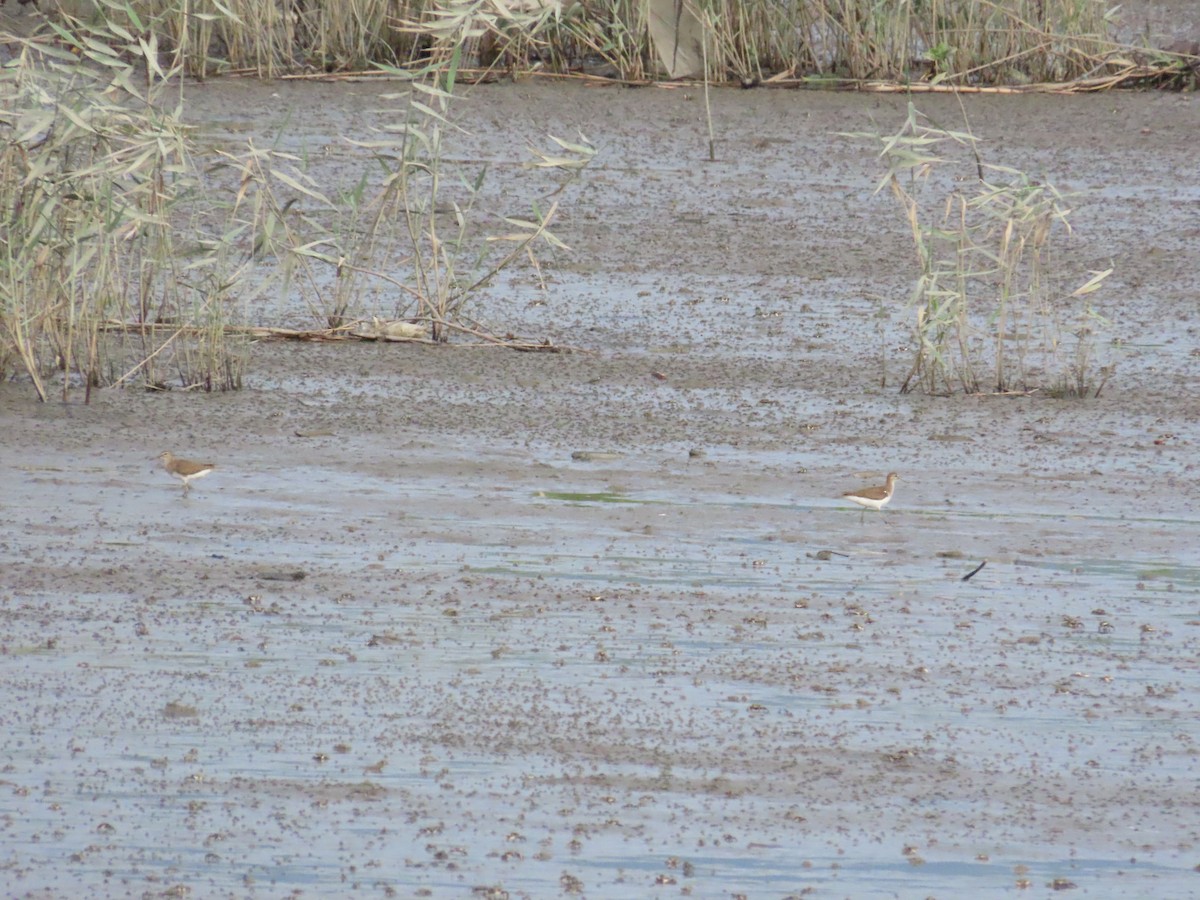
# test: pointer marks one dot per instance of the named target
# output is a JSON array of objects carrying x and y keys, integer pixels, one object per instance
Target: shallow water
[{"x": 572, "y": 687}]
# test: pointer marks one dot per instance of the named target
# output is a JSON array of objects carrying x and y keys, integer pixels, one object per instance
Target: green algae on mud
[{"x": 592, "y": 497}]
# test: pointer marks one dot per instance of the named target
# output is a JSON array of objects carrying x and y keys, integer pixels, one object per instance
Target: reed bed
[
  {"x": 994, "y": 309},
  {"x": 974, "y": 42},
  {"x": 96, "y": 178},
  {"x": 108, "y": 219},
  {"x": 105, "y": 218},
  {"x": 123, "y": 260}
]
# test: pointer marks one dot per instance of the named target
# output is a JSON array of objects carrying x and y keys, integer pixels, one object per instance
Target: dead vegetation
[{"x": 1013, "y": 45}]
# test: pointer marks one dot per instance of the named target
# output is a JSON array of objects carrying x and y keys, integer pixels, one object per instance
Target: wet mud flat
[{"x": 428, "y": 652}]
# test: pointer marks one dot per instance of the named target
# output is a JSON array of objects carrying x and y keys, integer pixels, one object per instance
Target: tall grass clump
[
  {"x": 964, "y": 41},
  {"x": 1014, "y": 41},
  {"x": 94, "y": 171},
  {"x": 122, "y": 262},
  {"x": 431, "y": 205},
  {"x": 618, "y": 32},
  {"x": 405, "y": 238},
  {"x": 994, "y": 310},
  {"x": 961, "y": 41},
  {"x": 272, "y": 37}
]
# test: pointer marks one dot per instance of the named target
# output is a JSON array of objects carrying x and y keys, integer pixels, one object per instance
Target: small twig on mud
[
  {"x": 1129, "y": 77},
  {"x": 510, "y": 342},
  {"x": 342, "y": 333},
  {"x": 974, "y": 571}
]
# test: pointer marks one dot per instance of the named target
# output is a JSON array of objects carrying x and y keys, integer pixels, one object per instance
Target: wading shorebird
[
  {"x": 874, "y": 497},
  {"x": 184, "y": 469}
]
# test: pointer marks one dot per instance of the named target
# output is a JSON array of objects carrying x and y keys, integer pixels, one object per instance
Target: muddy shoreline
[{"x": 504, "y": 669}]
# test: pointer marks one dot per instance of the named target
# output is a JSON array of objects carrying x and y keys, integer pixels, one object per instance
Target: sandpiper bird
[
  {"x": 184, "y": 469},
  {"x": 874, "y": 497}
]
